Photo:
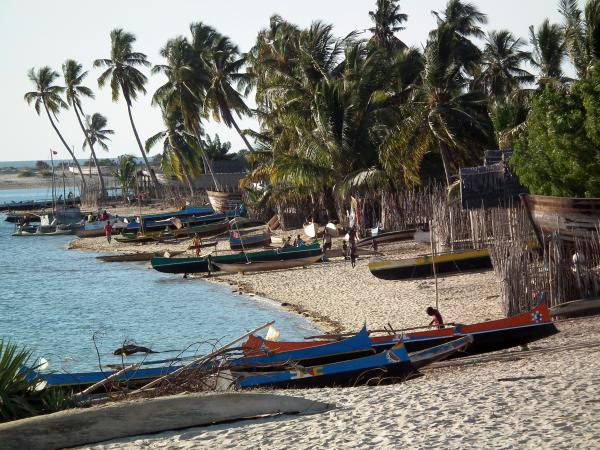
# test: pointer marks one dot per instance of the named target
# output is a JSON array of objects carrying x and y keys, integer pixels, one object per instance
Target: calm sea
[{"x": 55, "y": 300}]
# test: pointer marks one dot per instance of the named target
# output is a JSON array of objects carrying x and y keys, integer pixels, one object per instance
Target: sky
[{"x": 36, "y": 33}]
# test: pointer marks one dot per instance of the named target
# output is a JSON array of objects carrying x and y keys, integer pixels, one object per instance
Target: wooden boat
[
  {"x": 135, "y": 238},
  {"x": 202, "y": 245},
  {"x": 569, "y": 216},
  {"x": 224, "y": 201},
  {"x": 96, "y": 232},
  {"x": 241, "y": 239},
  {"x": 487, "y": 336},
  {"x": 261, "y": 266},
  {"x": 26, "y": 217},
  {"x": 390, "y": 236},
  {"x": 132, "y": 257},
  {"x": 423, "y": 266},
  {"x": 392, "y": 365},
  {"x": 203, "y": 231},
  {"x": 576, "y": 308},
  {"x": 274, "y": 223},
  {"x": 173, "y": 223},
  {"x": 47, "y": 230},
  {"x": 200, "y": 264}
]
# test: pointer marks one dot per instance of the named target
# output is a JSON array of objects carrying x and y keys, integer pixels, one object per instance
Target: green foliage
[
  {"x": 559, "y": 156},
  {"x": 25, "y": 173},
  {"x": 42, "y": 165},
  {"x": 45, "y": 173},
  {"x": 21, "y": 394},
  {"x": 217, "y": 150},
  {"x": 125, "y": 172}
]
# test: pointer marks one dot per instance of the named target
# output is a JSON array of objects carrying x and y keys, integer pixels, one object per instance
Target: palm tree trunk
[
  {"x": 102, "y": 187},
  {"x": 444, "y": 154},
  {"x": 83, "y": 184},
  {"x": 207, "y": 163},
  {"x": 235, "y": 125},
  {"x": 184, "y": 170},
  {"x": 146, "y": 162}
]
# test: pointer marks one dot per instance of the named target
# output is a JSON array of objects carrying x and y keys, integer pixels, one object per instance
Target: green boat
[
  {"x": 133, "y": 238},
  {"x": 200, "y": 264},
  {"x": 203, "y": 231}
]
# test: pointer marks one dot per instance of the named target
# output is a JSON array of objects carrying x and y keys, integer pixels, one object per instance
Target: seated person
[
  {"x": 437, "y": 320},
  {"x": 298, "y": 242}
]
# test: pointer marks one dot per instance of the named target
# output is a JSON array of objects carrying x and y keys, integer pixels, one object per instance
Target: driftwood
[{"x": 77, "y": 427}]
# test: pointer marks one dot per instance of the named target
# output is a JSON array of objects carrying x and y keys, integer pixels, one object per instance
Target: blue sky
[{"x": 38, "y": 33}]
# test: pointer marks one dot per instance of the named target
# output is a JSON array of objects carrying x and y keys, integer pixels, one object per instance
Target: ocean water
[{"x": 55, "y": 301}]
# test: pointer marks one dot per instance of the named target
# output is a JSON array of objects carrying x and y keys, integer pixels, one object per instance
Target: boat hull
[
  {"x": 571, "y": 217},
  {"x": 423, "y": 266},
  {"x": 259, "y": 266},
  {"x": 223, "y": 201}
]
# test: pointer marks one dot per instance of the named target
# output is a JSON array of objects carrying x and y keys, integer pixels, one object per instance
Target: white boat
[{"x": 258, "y": 266}]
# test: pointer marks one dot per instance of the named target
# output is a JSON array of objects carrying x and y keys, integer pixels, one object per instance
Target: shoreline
[{"x": 512, "y": 400}]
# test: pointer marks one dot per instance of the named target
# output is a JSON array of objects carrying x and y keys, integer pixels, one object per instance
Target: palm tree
[
  {"x": 127, "y": 80},
  {"x": 96, "y": 132},
  {"x": 223, "y": 64},
  {"x": 48, "y": 95},
  {"x": 548, "y": 44},
  {"x": 217, "y": 150},
  {"x": 501, "y": 71},
  {"x": 74, "y": 90},
  {"x": 387, "y": 19},
  {"x": 582, "y": 33},
  {"x": 125, "y": 173},
  {"x": 442, "y": 112}
]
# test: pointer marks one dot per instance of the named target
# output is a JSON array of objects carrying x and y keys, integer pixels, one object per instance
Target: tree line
[{"x": 344, "y": 114}]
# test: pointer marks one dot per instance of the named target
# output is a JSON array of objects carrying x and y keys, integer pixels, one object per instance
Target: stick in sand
[{"x": 206, "y": 357}]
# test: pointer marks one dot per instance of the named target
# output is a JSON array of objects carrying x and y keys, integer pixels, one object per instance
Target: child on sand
[{"x": 108, "y": 231}]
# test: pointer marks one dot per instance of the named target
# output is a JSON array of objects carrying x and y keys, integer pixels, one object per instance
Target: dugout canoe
[
  {"x": 423, "y": 266},
  {"x": 133, "y": 257},
  {"x": 576, "y": 308},
  {"x": 242, "y": 239},
  {"x": 571, "y": 217},
  {"x": 487, "y": 336},
  {"x": 390, "y": 236},
  {"x": 200, "y": 264},
  {"x": 265, "y": 266},
  {"x": 393, "y": 365},
  {"x": 203, "y": 231}
]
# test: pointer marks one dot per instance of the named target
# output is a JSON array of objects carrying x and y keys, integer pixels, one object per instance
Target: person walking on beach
[
  {"x": 437, "y": 320},
  {"x": 326, "y": 241},
  {"x": 108, "y": 231},
  {"x": 197, "y": 244}
]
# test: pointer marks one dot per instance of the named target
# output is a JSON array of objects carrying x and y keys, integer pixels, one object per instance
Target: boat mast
[{"x": 53, "y": 188}]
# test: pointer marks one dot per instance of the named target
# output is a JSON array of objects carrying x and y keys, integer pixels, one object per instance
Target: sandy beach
[{"x": 541, "y": 398}]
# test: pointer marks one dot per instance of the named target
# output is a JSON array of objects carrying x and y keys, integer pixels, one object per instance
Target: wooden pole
[
  {"x": 95, "y": 386},
  {"x": 433, "y": 263},
  {"x": 202, "y": 358}
]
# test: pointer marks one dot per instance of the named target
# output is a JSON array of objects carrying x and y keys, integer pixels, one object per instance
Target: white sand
[
  {"x": 457, "y": 407},
  {"x": 464, "y": 407}
]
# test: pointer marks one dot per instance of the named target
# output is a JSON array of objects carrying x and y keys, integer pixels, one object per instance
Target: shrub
[
  {"x": 42, "y": 165},
  {"x": 26, "y": 173},
  {"x": 46, "y": 173}
]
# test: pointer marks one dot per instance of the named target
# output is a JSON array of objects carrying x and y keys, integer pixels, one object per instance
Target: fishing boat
[
  {"x": 205, "y": 230},
  {"x": 390, "y": 236},
  {"x": 576, "y": 308},
  {"x": 133, "y": 257},
  {"x": 200, "y": 264},
  {"x": 258, "y": 236},
  {"x": 224, "y": 201},
  {"x": 423, "y": 266},
  {"x": 261, "y": 266},
  {"x": 571, "y": 217},
  {"x": 487, "y": 336},
  {"x": 138, "y": 238},
  {"x": 172, "y": 223},
  {"x": 393, "y": 365}
]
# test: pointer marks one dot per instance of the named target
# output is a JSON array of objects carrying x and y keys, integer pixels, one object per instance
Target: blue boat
[
  {"x": 393, "y": 365},
  {"x": 190, "y": 220},
  {"x": 329, "y": 352}
]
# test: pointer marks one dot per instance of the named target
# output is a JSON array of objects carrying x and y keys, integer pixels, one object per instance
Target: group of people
[{"x": 299, "y": 242}]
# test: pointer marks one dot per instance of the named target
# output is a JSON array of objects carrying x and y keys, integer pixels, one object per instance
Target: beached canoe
[
  {"x": 135, "y": 238},
  {"x": 571, "y": 217},
  {"x": 390, "y": 236},
  {"x": 200, "y": 264},
  {"x": 203, "y": 231},
  {"x": 133, "y": 257},
  {"x": 423, "y": 266},
  {"x": 487, "y": 336},
  {"x": 576, "y": 308},
  {"x": 263, "y": 266},
  {"x": 241, "y": 239},
  {"x": 393, "y": 365}
]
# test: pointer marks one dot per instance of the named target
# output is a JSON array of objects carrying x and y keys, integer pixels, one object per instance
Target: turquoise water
[{"x": 54, "y": 300}]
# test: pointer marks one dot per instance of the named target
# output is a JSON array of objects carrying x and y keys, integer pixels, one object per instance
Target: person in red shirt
[
  {"x": 437, "y": 320},
  {"x": 108, "y": 231}
]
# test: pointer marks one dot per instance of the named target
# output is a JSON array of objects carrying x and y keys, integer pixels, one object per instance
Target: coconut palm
[
  {"x": 125, "y": 173},
  {"x": 223, "y": 64},
  {"x": 548, "y": 44},
  {"x": 74, "y": 91},
  {"x": 387, "y": 20},
  {"x": 47, "y": 95},
  {"x": 501, "y": 73},
  {"x": 96, "y": 131},
  {"x": 126, "y": 80},
  {"x": 582, "y": 33},
  {"x": 217, "y": 150}
]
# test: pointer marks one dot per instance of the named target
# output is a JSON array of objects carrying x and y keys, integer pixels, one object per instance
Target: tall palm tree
[
  {"x": 387, "y": 19},
  {"x": 126, "y": 79},
  {"x": 501, "y": 71},
  {"x": 217, "y": 150},
  {"x": 47, "y": 94},
  {"x": 582, "y": 33},
  {"x": 125, "y": 173},
  {"x": 224, "y": 64},
  {"x": 548, "y": 44},
  {"x": 96, "y": 131},
  {"x": 74, "y": 91}
]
